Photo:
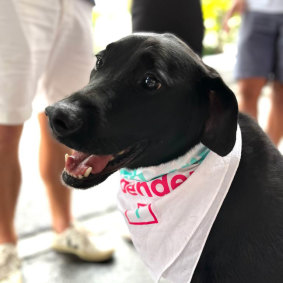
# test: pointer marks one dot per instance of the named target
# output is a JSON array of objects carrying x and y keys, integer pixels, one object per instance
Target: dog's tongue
[{"x": 79, "y": 164}]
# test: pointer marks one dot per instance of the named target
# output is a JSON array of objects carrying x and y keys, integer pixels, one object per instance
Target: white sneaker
[
  {"x": 10, "y": 264},
  {"x": 78, "y": 241}
]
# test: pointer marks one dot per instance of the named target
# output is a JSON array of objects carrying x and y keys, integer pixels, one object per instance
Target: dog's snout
[{"x": 63, "y": 120}]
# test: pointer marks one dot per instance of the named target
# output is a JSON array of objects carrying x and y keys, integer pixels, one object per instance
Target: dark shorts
[{"x": 260, "y": 52}]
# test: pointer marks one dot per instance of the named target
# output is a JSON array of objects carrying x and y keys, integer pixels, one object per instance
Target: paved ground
[{"x": 96, "y": 208}]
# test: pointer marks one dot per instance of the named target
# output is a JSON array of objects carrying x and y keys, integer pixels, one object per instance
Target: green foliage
[{"x": 213, "y": 13}]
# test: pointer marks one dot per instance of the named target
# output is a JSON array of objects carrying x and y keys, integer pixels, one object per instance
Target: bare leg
[
  {"x": 249, "y": 91},
  {"x": 51, "y": 164},
  {"x": 10, "y": 176},
  {"x": 275, "y": 119}
]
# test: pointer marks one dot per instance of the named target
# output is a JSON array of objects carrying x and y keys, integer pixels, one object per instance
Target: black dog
[{"x": 149, "y": 100}]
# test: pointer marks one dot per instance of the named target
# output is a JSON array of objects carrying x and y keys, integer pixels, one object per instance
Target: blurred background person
[
  {"x": 45, "y": 46},
  {"x": 260, "y": 58},
  {"x": 181, "y": 17}
]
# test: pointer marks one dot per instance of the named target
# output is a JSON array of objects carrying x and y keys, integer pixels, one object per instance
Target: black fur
[{"x": 116, "y": 111}]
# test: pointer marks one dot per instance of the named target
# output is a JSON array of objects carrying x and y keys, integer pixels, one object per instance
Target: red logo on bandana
[{"x": 143, "y": 215}]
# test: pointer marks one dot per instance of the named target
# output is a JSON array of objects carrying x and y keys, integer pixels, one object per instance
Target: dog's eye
[
  {"x": 98, "y": 62},
  {"x": 151, "y": 83}
]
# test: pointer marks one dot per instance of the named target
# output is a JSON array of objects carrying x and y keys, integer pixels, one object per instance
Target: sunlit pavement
[{"x": 95, "y": 208}]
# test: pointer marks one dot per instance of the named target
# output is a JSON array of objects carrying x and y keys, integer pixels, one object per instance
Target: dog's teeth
[
  {"x": 66, "y": 157},
  {"x": 87, "y": 172},
  {"x": 80, "y": 176}
]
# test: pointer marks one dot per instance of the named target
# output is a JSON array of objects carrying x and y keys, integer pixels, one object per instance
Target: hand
[{"x": 238, "y": 7}]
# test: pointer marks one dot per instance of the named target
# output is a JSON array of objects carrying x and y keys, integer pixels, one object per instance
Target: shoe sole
[{"x": 107, "y": 256}]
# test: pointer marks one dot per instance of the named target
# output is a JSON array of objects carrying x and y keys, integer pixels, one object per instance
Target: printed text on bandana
[
  {"x": 156, "y": 188},
  {"x": 143, "y": 214}
]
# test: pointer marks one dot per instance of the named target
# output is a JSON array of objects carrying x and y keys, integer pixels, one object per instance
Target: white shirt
[{"x": 265, "y": 6}]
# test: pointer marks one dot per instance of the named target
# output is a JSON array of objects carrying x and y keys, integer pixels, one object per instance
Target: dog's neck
[{"x": 188, "y": 161}]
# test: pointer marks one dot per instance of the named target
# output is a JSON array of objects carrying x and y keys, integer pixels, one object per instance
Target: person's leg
[
  {"x": 68, "y": 70},
  {"x": 51, "y": 164},
  {"x": 69, "y": 238},
  {"x": 254, "y": 59},
  {"x": 25, "y": 40},
  {"x": 249, "y": 92},
  {"x": 275, "y": 120},
  {"x": 10, "y": 176}
]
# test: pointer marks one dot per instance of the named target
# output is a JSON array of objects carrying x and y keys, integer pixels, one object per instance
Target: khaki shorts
[{"x": 45, "y": 48}]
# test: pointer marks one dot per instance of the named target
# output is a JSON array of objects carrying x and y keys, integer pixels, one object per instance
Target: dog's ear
[{"x": 220, "y": 128}]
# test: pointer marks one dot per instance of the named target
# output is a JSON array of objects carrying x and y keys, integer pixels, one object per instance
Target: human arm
[{"x": 237, "y": 7}]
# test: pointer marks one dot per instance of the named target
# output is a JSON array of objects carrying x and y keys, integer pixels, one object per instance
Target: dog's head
[{"x": 149, "y": 100}]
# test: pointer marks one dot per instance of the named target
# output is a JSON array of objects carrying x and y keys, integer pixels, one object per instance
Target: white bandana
[{"x": 170, "y": 212}]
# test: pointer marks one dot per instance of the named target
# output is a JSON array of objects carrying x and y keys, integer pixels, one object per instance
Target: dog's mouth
[{"x": 84, "y": 170}]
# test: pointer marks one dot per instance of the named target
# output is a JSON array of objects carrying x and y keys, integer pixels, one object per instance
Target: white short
[{"x": 45, "y": 47}]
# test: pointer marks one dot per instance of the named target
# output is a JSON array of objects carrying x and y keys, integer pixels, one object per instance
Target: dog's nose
[{"x": 63, "y": 119}]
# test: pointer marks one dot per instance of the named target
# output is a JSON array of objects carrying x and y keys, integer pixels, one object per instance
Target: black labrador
[{"x": 149, "y": 100}]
